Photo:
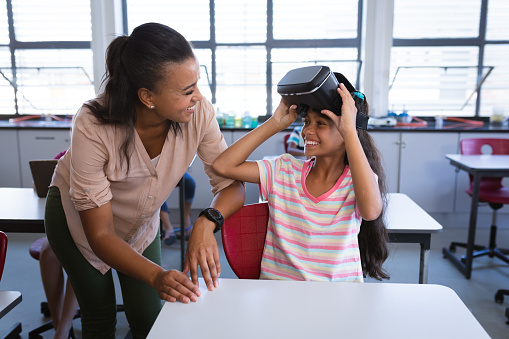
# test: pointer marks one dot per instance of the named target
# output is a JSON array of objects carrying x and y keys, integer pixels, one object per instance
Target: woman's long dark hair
[
  {"x": 133, "y": 62},
  {"x": 373, "y": 236}
]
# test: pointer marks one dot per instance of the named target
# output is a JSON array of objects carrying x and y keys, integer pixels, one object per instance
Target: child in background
[
  {"x": 295, "y": 143},
  {"x": 60, "y": 295},
  {"x": 316, "y": 206},
  {"x": 168, "y": 234}
]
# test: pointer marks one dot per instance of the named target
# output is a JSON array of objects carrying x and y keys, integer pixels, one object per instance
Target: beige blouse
[{"x": 89, "y": 175}]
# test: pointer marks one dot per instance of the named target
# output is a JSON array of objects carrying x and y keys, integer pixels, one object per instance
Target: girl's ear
[{"x": 146, "y": 97}]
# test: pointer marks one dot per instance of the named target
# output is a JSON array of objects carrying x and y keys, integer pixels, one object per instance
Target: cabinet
[
  {"x": 388, "y": 144},
  {"x": 425, "y": 174},
  {"x": 40, "y": 144},
  {"x": 9, "y": 166},
  {"x": 415, "y": 164}
]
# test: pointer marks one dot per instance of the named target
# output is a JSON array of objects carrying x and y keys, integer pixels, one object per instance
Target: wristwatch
[{"x": 215, "y": 216}]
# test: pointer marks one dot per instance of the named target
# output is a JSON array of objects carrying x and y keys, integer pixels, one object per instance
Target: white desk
[
  {"x": 407, "y": 222},
  {"x": 8, "y": 300},
  {"x": 299, "y": 309},
  {"x": 21, "y": 210},
  {"x": 478, "y": 166}
]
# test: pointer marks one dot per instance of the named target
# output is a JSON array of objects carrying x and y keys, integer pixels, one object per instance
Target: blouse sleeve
[{"x": 90, "y": 187}]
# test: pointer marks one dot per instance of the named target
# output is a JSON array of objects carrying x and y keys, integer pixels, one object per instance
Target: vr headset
[{"x": 316, "y": 87}]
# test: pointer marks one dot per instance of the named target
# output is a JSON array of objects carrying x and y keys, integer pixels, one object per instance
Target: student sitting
[{"x": 325, "y": 213}]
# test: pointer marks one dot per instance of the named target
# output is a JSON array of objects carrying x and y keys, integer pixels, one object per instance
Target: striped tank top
[{"x": 308, "y": 238}]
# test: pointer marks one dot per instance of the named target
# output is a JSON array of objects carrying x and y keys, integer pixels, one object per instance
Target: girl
[{"x": 316, "y": 206}]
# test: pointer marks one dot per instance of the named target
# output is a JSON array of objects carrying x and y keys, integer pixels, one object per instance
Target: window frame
[
  {"x": 15, "y": 45},
  {"x": 270, "y": 44},
  {"x": 480, "y": 42}
]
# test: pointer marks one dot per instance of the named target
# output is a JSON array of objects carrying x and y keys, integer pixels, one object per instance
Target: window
[
  {"x": 45, "y": 57},
  {"x": 449, "y": 57},
  {"x": 240, "y": 21},
  {"x": 320, "y": 20},
  {"x": 190, "y": 18},
  {"x": 414, "y": 19},
  {"x": 498, "y": 25},
  {"x": 4, "y": 26},
  {"x": 246, "y": 46}
]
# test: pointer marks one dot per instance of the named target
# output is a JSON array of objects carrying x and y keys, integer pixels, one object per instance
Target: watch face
[{"x": 215, "y": 213}]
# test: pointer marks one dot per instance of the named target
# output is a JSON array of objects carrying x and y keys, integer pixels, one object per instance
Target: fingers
[
  {"x": 293, "y": 110},
  {"x": 343, "y": 91},
  {"x": 218, "y": 263},
  {"x": 346, "y": 96},
  {"x": 286, "y": 113},
  {"x": 208, "y": 271},
  {"x": 202, "y": 251},
  {"x": 209, "y": 262},
  {"x": 214, "y": 268},
  {"x": 177, "y": 286},
  {"x": 331, "y": 115},
  {"x": 186, "y": 265},
  {"x": 192, "y": 264}
]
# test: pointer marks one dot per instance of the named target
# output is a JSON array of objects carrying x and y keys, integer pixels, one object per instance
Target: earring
[{"x": 152, "y": 107}]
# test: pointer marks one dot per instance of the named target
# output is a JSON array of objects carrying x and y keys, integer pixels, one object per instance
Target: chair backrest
[
  {"x": 3, "y": 251},
  {"x": 475, "y": 146},
  {"x": 243, "y": 235},
  {"x": 42, "y": 172},
  {"x": 285, "y": 142}
]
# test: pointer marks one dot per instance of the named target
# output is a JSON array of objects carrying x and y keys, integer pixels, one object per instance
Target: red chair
[
  {"x": 243, "y": 235},
  {"x": 491, "y": 191},
  {"x": 3, "y": 251},
  {"x": 285, "y": 140},
  {"x": 15, "y": 330}
]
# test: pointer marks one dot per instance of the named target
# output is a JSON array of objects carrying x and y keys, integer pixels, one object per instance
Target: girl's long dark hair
[
  {"x": 133, "y": 62},
  {"x": 373, "y": 236}
]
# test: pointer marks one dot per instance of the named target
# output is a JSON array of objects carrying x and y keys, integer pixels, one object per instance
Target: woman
[{"x": 130, "y": 147}]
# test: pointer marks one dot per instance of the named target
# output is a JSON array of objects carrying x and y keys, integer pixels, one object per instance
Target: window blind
[
  {"x": 52, "y": 20},
  {"x": 416, "y": 19},
  {"x": 191, "y": 18},
  {"x": 321, "y": 19}
]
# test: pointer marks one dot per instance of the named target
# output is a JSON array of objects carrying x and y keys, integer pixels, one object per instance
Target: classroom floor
[{"x": 489, "y": 274}]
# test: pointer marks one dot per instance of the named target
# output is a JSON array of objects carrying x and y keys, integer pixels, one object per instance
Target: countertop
[{"x": 448, "y": 126}]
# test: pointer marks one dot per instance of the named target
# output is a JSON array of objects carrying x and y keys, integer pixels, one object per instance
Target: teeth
[
  {"x": 312, "y": 143},
  {"x": 190, "y": 108}
]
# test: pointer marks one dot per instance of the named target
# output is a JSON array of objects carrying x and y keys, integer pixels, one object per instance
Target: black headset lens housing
[{"x": 316, "y": 87}]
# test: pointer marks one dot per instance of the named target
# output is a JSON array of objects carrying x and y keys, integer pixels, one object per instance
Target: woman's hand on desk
[
  {"x": 202, "y": 251},
  {"x": 174, "y": 285}
]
